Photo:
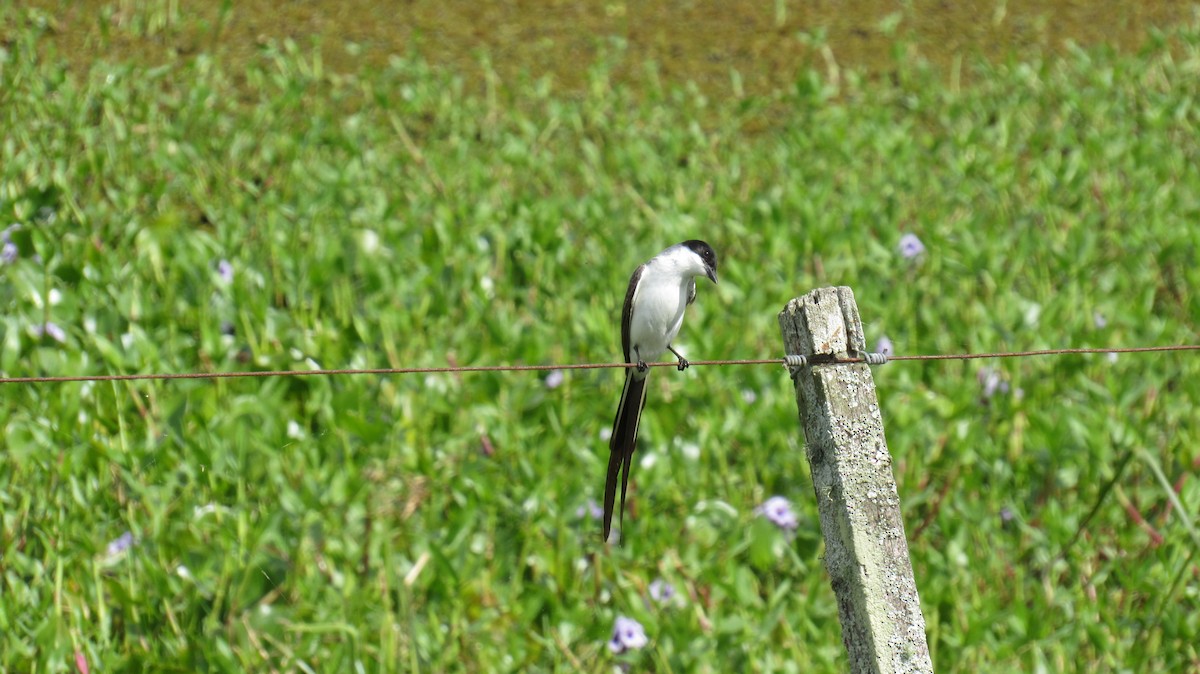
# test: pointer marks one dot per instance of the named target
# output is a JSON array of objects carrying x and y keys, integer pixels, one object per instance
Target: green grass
[{"x": 414, "y": 523}]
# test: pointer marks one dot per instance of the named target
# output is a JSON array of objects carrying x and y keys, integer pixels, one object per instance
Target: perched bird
[{"x": 659, "y": 291}]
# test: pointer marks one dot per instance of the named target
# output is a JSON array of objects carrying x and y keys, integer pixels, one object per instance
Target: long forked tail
[{"x": 623, "y": 442}]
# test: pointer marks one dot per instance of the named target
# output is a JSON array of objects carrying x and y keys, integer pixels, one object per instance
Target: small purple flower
[
  {"x": 991, "y": 382},
  {"x": 884, "y": 346},
  {"x": 56, "y": 333},
  {"x": 225, "y": 271},
  {"x": 51, "y": 330},
  {"x": 555, "y": 379},
  {"x": 661, "y": 591},
  {"x": 119, "y": 544},
  {"x": 9, "y": 251},
  {"x": 910, "y": 246},
  {"x": 778, "y": 511},
  {"x": 590, "y": 509},
  {"x": 1007, "y": 515},
  {"x": 628, "y": 635}
]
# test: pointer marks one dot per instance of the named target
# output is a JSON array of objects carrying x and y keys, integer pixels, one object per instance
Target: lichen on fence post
[{"x": 866, "y": 552}]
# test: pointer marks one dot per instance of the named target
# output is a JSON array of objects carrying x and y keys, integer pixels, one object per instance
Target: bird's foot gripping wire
[
  {"x": 683, "y": 362},
  {"x": 642, "y": 367}
]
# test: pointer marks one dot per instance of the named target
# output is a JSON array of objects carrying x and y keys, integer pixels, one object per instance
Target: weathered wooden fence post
[{"x": 865, "y": 549}]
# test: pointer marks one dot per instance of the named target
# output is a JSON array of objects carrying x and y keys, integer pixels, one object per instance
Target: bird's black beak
[{"x": 712, "y": 274}]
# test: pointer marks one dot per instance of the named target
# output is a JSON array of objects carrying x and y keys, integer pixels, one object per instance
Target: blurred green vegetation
[
  {"x": 726, "y": 49},
  {"x": 194, "y": 216}
]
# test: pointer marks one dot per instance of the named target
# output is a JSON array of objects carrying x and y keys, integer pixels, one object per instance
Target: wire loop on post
[
  {"x": 795, "y": 360},
  {"x": 875, "y": 358}
]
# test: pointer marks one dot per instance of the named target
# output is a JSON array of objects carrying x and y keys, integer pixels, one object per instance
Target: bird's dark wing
[
  {"x": 629, "y": 413},
  {"x": 627, "y": 311}
]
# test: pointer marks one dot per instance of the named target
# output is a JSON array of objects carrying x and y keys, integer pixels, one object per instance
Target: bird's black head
[{"x": 706, "y": 254}]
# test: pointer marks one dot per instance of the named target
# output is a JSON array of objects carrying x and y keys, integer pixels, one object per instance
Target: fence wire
[{"x": 455, "y": 369}]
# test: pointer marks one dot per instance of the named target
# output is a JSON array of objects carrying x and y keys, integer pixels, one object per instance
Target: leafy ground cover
[{"x": 192, "y": 218}]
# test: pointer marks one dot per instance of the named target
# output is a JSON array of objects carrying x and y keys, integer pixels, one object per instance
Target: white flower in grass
[
  {"x": 911, "y": 246},
  {"x": 225, "y": 271},
  {"x": 885, "y": 346},
  {"x": 778, "y": 511},
  {"x": 294, "y": 430},
  {"x": 991, "y": 382},
  {"x": 628, "y": 635},
  {"x": 590, "y": 509},
  {"x": 51, "y": 330},
  {"x": 661, "y": 591},
  {"x": 119, "y": 545}
]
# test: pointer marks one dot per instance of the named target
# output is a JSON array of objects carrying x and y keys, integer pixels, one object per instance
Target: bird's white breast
[{"x": 658, "y": 313}]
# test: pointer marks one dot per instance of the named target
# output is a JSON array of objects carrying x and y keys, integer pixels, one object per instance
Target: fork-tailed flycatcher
[{"x": 658, "y": 293}]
